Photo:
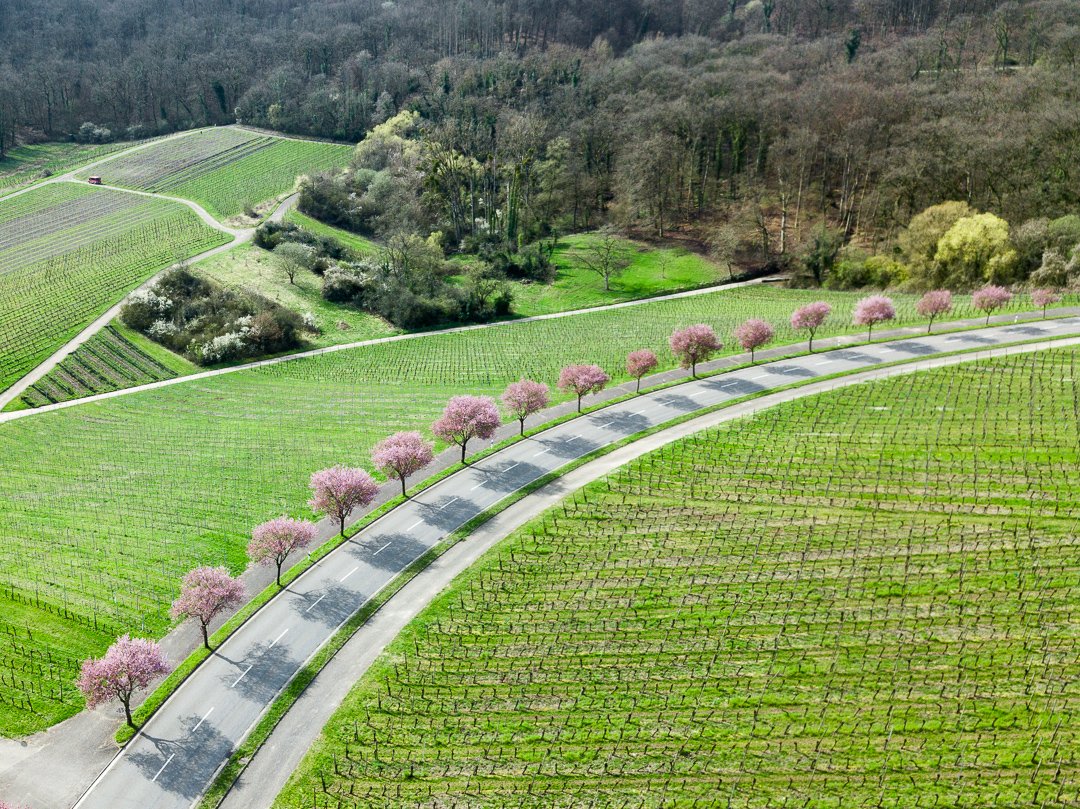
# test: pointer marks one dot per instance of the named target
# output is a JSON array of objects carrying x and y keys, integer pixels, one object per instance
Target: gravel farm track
[{"x": 238, "y": 236}]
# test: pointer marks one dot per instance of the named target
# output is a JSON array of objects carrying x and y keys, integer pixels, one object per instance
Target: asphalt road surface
[{"x": 172, "y": 761}]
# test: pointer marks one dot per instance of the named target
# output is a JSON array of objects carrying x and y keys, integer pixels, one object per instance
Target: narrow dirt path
[
  {"x": 239, "y": 236},
  {"x": 8, "y": 396}
]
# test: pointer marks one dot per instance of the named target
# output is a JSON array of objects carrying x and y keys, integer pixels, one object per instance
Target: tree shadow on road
[
  {"x": 792, "y": 370},
  {"x": 508, "y": 476},
  {"x": 626, "y": 423},
  {"x": 389, "y": 551},
  {"x": 194, "y": 759},
  {"x": 328, "y": 605},
  {"x": 914, "y": 347},
  {"x": 735, "y": 387},
  {"x": 678, "y": 401},
  {"x": 971, "y": 338}
]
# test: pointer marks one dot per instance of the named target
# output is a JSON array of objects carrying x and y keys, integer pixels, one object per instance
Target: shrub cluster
[
  {"x": 953, "y": 245},
  {"x": 408, "y": 283},
  {"x": 270, "y": 234},
  {"x": 209, "y": 324}
]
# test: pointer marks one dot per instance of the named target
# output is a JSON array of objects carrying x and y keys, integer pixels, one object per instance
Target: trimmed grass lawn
[
  {"x": 255, "y": 269},
  {"x": 107, "y": 504},
  {"x": 354, "y": 241},
  {"x": 653, "y": 271},
  {"x": 864, "y": 598}
]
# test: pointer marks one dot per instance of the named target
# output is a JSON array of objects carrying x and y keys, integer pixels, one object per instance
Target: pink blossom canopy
[
  {"x": 525, "y": 397},
  {"x": 934, "y": 303},
  {"x": 810, "y": 316},
  {"x": 338, "y": 490},
  {"x": 1044, "y": 297},
  {"x": 277, "y": 538},
  {"x": 990, "y": 297},
  {"x": 467, "y": 417},
  {"x": 402, "y": 454},
  {"x": 694, "y": 344},
  {"x": 639, "y": 363},
  {"x": 206, "y": 591},
  {"x": 873, "y": 310},
  {"x": 754, "y": 333},
  {"x": 129, "y": 665},
  {"x": 582, "y": 379}
]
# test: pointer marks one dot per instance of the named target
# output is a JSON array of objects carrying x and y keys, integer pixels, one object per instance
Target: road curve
[
  {"x": 200, "y": 211},
  {"x": 270, "y": 768},
  {"x": 170, "y": 763}
]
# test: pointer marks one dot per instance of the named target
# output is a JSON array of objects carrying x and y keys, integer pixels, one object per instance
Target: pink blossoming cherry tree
[
  {"x": 934, "y": 303},
  {"x": 204, "y": 593},
  {"x": 753, "y": 334},
  {"x": 873, "y": 310},
  {"x": 340, "y": 489},
  {"x": 401, "y": 455},
  {"x": 809, "y": 319},
  {"x": 1045, "y": 297},
  {"x": 274, "y": 540},
  {"x": 639, "y": 363},
  {"x": 523, "y": 398},
  {"x": 129, "y": 665},
  {"x": 465, "y": 418},
  {"x": 990, "y": 298},
  {"x": 582, "y": 379},
  {"x": 694, "y": 344}
]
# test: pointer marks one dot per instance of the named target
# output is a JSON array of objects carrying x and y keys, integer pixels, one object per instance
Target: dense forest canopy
[{"x": 755, "y": 122}]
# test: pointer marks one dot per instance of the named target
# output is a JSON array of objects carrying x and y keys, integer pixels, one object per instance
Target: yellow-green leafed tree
[
  {"x": 974, "y": 250},
  {"x": 918, "y": 242}
]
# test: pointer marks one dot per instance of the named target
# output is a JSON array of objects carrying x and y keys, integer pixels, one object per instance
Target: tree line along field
[
  {"x": 108, "y": 503},
  {"x": 863, "y": 598},
  {"x": 224, "y": 169},
  {"x": 68, "y": 252}
]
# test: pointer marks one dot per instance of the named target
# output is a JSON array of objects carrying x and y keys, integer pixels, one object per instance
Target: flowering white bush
[
  {"x": 147, "y": 297},
  {"x": 311, "y": 323},
  {"x": 222, "y": 348},
  {"x": 161, "y": 328}
]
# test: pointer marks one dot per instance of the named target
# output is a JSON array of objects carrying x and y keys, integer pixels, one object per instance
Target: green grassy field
[
  {"x": 26, "y": 164},
  {"x": 255, "y": 269},
  {"x": 864, "y": 598},
  {"x": 224, "y": 169},
  {"x": 68, "y": 252},
  {"x": 651, "y": 272},
  {"x": 106, "y": 504},
  {"x": 355, "y": 242}
]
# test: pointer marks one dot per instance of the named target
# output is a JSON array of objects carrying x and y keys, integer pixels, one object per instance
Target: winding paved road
[{"x": 174, "y": 758}]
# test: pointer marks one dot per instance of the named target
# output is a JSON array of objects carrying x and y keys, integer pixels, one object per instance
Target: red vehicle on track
[{"x": 94, "y": 180}]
